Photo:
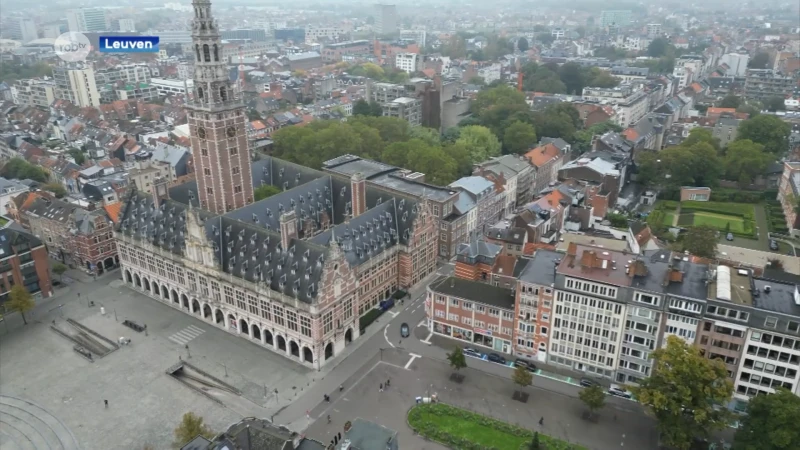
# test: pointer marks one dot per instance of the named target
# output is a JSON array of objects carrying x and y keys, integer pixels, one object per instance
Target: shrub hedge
[{"x": 419, "y": 418}]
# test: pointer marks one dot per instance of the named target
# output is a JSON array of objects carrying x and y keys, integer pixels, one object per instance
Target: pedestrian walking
[
  {"x": 380, "y": 389},
  {"x": 387, "y": 382},
  {"x": 106, "y": 403},
  {"x": 541, "y": 421}
]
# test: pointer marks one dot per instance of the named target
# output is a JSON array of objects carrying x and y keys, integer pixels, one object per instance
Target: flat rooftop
[
  {"x": 474, "y": 291},
  {"x": 739, "y": 286},
  {"x": 541, "y": 268},
  {"x": 782, "y": 297},
  {"x": 618, "y": 245},
  {"x": 389, "y": 177}
]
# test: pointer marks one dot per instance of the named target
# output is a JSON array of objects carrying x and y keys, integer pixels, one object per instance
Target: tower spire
[{"x": 217, "y": 122}]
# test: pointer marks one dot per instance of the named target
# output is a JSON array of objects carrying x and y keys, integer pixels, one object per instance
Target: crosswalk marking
[{"x": 187, "y": 334}]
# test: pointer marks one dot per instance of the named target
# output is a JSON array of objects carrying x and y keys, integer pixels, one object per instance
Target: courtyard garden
[
  {"x": 736, "y": 218},
  {"x": 465, "y": 430}
]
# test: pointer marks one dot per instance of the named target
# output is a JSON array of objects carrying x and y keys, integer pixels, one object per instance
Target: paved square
[
  {"x": 482, "y": 393},
  {"x": 145, "y": 404}
]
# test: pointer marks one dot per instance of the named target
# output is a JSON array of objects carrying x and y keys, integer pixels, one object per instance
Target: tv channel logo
[
  {"x": 129, "y": 44},
  {"x": 72, "y": 47}
]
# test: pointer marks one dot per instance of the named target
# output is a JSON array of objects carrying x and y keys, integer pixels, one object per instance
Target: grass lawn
[
  {"x": 669, "y": 217},
  {"x": 719, "y": 221},
  {"x": 452, "y": 426}
]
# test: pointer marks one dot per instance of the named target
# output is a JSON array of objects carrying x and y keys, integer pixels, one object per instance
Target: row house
[
  {"x": 78, "y": 236},
  {"x": 23, "y": 262},
  {"x": 516, "y": 174},
  {"x": 546, "y": 160},
  {"x": 789, "y": 195},
  {"x": 489, "y": 200},
  {"x": 603, "y": 312},
  {"x": 460, "y": 226},
  {"x": 602, "y": 180}
]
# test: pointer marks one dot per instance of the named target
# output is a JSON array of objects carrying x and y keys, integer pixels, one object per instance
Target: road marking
[
  {"x": 427, "y": 340},
  {"x": 413, "y": 357},
  {"x": 187, "y": 334},
  {"x": 394, "y": 314},
  {"x": 422, "y": 324},
  {"x": 387, "y": 337}
]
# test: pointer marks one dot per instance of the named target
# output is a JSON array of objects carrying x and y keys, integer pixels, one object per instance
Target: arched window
[
  {"x": 216, "y": 53},
  {"x": 200, "y": 93},
  {"x": 197, "y": 48},
  {"x": 206, "y": 53},
  {"x": 223, "y": 94}
]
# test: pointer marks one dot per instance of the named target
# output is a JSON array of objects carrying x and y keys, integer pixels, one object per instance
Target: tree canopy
[
  {"x": 480, "y": 142},
  {"x": 745, "y": 160},
  {"x": 701, "y": 241},
  {"x": 20, "y": 169},
  {"x": 190, "y": 427},
  {"x": 364, "y": 108},
  {"x": 522, "y": 377},
  {"x": 693, "y": 163},
  {"x": 594, "y": 397},
  {"x": 770, "y": 423},
  {"x": 522, "y": 44},
  {"x": 760, "y": 61},
  {"x": 686, "y": 393},
  {"x": 457, "y": 359},
  {"x": 569, "y": 78},
  {"x": 767, "y": 130},
  {"x": 730, "y": 101},
  {"x": 658, "y": 47},
  {"x": 20, "y": 300},
  {"x": 265, "y": 191},
  {"x": 518, "y": 137}
]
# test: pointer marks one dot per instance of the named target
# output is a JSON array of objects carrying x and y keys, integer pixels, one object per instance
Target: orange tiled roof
[
  {"x": 696, "y": 87},
  {"x": 113, "y": 211},
  {"x": 717, "y": 111},
  {"x": 630, "y": 134},
  {"x": 258, "y": 125},
  {"x": 531, "y": 247},
  {"x": 539, "y": 156}
]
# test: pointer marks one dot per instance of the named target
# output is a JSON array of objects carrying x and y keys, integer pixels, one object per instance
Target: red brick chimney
[{"x": 358, "y": 193}]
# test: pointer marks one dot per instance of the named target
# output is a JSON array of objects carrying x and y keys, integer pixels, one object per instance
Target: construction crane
[{"x": 241, "y": 71}]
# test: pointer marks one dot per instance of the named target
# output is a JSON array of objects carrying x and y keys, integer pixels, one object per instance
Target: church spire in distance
[{"x": 217, "y": 122}]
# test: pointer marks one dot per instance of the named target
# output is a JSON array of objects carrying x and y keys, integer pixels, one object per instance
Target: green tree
[
  {"x": 746, "y": 160},
  {"x": 697, "y": 135},
  {"x": 451, "y": 134},
  {"x": 498, "y": 97},
  {"x": 535, "y": 445},
  {"x": 373, "y": 71},
  {"x": 265, "y": 191},
  {"x": 657, "y": 48},
  {"x": 57, "y": 189},
  {"x": 190, "y": 427},
  {"x": 770, "y": 423},
  {"x": 518, "y": 137},
  {"x": 480, "y": 142},
  {"x": 425, "y": 134},
  {"x": 77, "y": 155},
  {"x": 775, "y": 104},
  {"x": 59, "y": 269},
  {"x": 455, "y": 47},
  {"x": 20, "y": 300},
  {"x": 760, "y": 61},
  {"x": 593, "y": 397},
  {"x": 439, "y": 168},
  {"x": 460, "y": 155},
  {"x": 522, "y": 377},
  {"x": 573, "y": 77},
  {"x": 361, "y": 108},
  {"x": 686, "y": 393},
  {"x": 522, "y": 44},
  {"x": 20, "y": 169},
  {"x": 375, "y": 108},
  {"x": 701, "y": 241},
  {"x": 767, "y": 130},
  {"x": 730, "y": 101},
  {"x": 617, "y": 220},
  {"x": 391, "y": 129},
  {"x": 10, "y": 72},
  {"x": 397, "y": 153},
  {"x": 457, "y": 359}
]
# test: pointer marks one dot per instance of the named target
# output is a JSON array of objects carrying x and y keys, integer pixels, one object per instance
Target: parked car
[
  {"x": 729, "y": 236},
  {"x": 773, "y": 245},
  {"x": 495, "y": 358},
  {"x": 588, "y": 382},
  {"x": 526, "y": 364},
  {"x": 469, "y": 351},
  {"x": 404, "y": 330},
  {"x": 619, "y": 391}
]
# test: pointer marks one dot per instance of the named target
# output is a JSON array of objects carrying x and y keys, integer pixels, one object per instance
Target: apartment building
[
  {"x": 418, "y": 36},
  {"x": 77, "y": 84},
  {"x": 631, "y": 100},
  {"x": 128, "y": 73},
  {"x": 385, "y": 19},
  {"x": 318, "y": 33},
  {"x": 23, "y": 30},
  {"x": 407, "y": 62},
  {"x": 406, "y": 108},
  {"x": 38, "y": 92},
  {"x": 167, "y": 87},
  {"x": 535, "y": 298},
  {"x": 725, "y": 129},
  {"x": 615, "y": 18},
  {"x": 654, "y": 30},
  {"x": 335, "y": 52},
  {"x": 459, "y": 227},
  {"x": 762, "y": 84},
  {"x": 472, "y": 312},
  {"x": 88, "y": 20}
]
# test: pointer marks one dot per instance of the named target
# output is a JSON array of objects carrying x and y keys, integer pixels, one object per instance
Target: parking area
[{"x": 144, "y": 403}]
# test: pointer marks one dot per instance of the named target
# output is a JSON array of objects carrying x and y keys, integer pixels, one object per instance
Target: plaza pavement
[{"x": 480, "y": 392}]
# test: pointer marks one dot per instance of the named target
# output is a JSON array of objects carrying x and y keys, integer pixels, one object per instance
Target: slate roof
[
  {"x": 479, "y": 251},
  {"x": 53, "y": 209},
  {"x": 474, "y": 291},
  {"x": 477, "y": 186},
  {"x": 11, "y": 238},
  {"x": 164, "y": 226},
  {"x": 170, "y": 154}
]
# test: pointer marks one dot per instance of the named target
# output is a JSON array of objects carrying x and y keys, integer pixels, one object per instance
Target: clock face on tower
[
  {"x": 231, "y": 131},
  {"x": 201, "y": 133}
]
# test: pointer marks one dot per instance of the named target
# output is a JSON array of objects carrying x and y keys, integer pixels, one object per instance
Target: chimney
[
  {"x": 160, "y": 191},
  {"x": 358, "y": 194},
  {"x": 288, "y": 228}
]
